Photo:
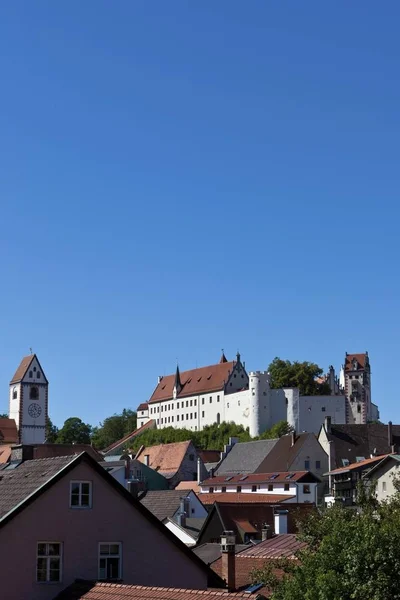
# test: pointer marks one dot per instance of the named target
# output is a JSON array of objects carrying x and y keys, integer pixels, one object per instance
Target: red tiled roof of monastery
[
  {"x": 360, "y": 358},
  {"x": 277, "y": 476},
  {"x": 8, "y": 431},
  {"x": 149, "y": 425},
  {"x": 23, "y": 367},
  {"x": 196, "y": 381},
  {"x": 143, "y": 406},
  {"x": 244, "y": 498},
  {"x": 166, "y": 458}
]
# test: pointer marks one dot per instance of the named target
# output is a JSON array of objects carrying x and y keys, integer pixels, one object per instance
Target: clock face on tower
[{"x": 34, "y": 410}]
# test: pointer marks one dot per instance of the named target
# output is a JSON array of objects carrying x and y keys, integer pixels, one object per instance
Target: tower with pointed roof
[
  {"x": 28, "y": 401},
  {"x": 356, "y": 378}
]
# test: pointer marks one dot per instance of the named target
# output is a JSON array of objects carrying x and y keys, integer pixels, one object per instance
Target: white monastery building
[
  {"x": 28, "y": 401},
  {"x": 226, "y": 392}
]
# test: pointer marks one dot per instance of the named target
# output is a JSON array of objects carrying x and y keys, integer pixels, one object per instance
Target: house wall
[
  {"x": 188, "y": 468},
  {"x": 385, "y": 474},
  {"x": 196, "y": 509},
  {"x": 314, "y": 409},
  {"x": 112, "y": 519},
  {"x": 295, "y": 489},
  {"x": 142, "y": 417},
  {"x": 313, "y": 452}
]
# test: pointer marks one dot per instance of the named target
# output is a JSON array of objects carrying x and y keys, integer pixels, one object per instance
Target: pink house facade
[{"x": 83, "y": 524}]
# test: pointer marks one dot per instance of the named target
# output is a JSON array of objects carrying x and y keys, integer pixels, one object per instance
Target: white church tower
[{"x": 29, "y": 401}]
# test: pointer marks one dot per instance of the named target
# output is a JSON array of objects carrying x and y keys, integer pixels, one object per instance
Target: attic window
[
  {"x": 34, "y": 368},
  {"x": 360, "y": 458},
  {"x": 243, "y": 478},
  {"x": 274, "y": 476},
  {"x": 189, "y": 380},
  {"x": 290, "y": 475},
  {"x": 228, "y": 478},
  {"x": 163, "y": 387},
  {"x": 199, "y": 379},
  {"x": 209, "y": 377},
  {"x": 345, "y": 462}
]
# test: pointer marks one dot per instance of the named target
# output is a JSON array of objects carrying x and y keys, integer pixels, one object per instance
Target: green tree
[
  {"x": 351, "y": 555},
  {"x": 3, "y": 416},
  {"x": 278, "y": 430},
  {"x": 74, "y": 431},
  {"x": 114, "y": 428},
  {"x": 297, "y": 374},
  {"x": 51, "y": 432}
]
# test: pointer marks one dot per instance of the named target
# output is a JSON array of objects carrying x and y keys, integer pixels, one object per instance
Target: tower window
[
  {"x": 38, "y": 374},
  {"x": 33, "y": 393},
  {"x": 34, "y": 368},
  {"x": 358, "y": 408},
  {"x": 15, "y": 393},
  {"x": 30, "y": 374},
  {"x": 218, "y": 418}
]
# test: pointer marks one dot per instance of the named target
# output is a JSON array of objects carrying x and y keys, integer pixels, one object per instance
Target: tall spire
[
  {"x": 223, "y": 357},
  {"x": 177, "y": 384}
]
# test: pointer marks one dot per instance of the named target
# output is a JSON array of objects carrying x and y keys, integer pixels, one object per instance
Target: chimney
[
  {"x": 133, "y": 487},
  {"x": 199, "y": 478},
  {"x": 293, "y": 438},
  {"x": 393, "y": 448},
  {"x": 390, "y": 434},
  {"x": 147, "y": 459},
  {"x": 328, "y": 422},
  {"x": 280, "y": 521},
  {"x": 160, "y": 378},
  {"x": 266, "y": 532},
  {"x": 182, "y": 513},
  {"x": 127, "y": 467},
  {"x": 228, "y": 559}
]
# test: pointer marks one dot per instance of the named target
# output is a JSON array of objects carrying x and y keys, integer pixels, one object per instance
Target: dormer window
[
  {"x": 33, "y": 393},
  {"x": 355, "y": 365}
]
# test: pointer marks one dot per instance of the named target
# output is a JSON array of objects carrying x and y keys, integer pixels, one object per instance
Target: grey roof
[
  {"x": 163, "y": 503},
  {"x": 17, "y": 484},
  {"x": 245, "y": 457},
  {"x": 211, "y": 552},
  {"x": 193, "y": 525}
]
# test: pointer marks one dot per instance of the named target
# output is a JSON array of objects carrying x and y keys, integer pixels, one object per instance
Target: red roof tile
[
  {"x": 188, "y": 485},
  {"x": 196, "y": 381},
  {"x": 8, "y": 431},
  {"x": 149, "y": 425},
  {"x": 84, "y": 590},
  {"x": 143, "y": 406},
  {"x": 244, "y": 497},
  {"x": 23, "y": 367},
  {"x": 360, "y": 464},
  {"x": 165, "y": 458},
  {"x": 5, "y": 453},
  {"x": 360, "y": 358},
  {"x": 279, "y": 546},
  {"x": 243, "y": 568},
  {"x": 278, "y": 476}
]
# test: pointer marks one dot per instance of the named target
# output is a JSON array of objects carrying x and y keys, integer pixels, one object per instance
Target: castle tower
[
  {"x": 260, "y": 409},
  {"x": 28, "y": 401},
  {"x": 357, "y": 386}
]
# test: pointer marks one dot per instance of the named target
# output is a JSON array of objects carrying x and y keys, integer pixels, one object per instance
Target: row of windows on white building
[{"x": 183, "y": 404}]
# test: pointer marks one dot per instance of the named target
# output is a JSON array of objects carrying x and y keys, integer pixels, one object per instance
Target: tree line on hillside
[
  {"x": 350, "y": 554},
  {"x": 283, "y": 374}
]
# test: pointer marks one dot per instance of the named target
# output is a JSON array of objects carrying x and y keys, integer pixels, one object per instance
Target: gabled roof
[
  {"x": 163, "y": 504},
  {"x": 143, "y": 406},
  {"x": 20, "y": 487},
  {"x": 390, "y": 457},
  {"x": 192, "y": 527},
  {"x": 243, "y": 498},
  {"x": 23, "y": 368},
  {"x": 360, "y": 441},
  {"x": 362, "y": 360},
  {"x": 283, "y": 545},
  {"x": 245, "y": 457},
  {"x": 196, "y": 381},
  {"x": 284, "y": 453},
  {"x": 91, "y": 590},
  {"x": 129, "y": 436},
  {"x": 187, "y": 486},
  {"x": 274, "y": 477},
  {"x": 360, "y": 465},
  {"x": 8, "y": 431},
  {"x": 165, "y": 458},
  {"x": 211, "y": 551}
]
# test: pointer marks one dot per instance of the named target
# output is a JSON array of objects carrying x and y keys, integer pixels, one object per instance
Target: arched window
[
  {"x": 218, "y": 418},
  {"x": 15, "y": 393},
  {"x": 34, "y": 393},
  {"x": 38, "y": 374}
]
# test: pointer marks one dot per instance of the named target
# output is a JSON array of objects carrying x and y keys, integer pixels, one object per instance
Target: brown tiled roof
[
  {"x": 85, "y": 590},
  {"x": 163, "y": 503},
  {"x": 359, "y": 465},
  {"x": 209, "y": 456},
  {"x": 245, "y": 526},
  {"x": 243, "y": 498},
  {"x": 188, "y": 485},
  {"x": 276, "y": 477},
  {"x": 283, "y": 545},
  {"x": 5, "y": 453},
  {"x": 243, "y": 568},
  {"x": 196, "y": 381},
  {"x": 282, "y": 455},
  {"x": 8, "y": 431},
  {"x": 360, "y": 358},
  {"x": 143, "y": 406},
  {"x": 165, "y": 458},
  {"x": 52, "y": 450},
  {"x": 22, "y": 369},
  {"x": 149, "y": 425}
]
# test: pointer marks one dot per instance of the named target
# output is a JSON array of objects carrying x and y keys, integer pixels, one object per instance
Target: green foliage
[
  {"x": 297, "y": 374},
  {"x": 114, "y": 428},
  {"x": 51, "y": 432},
  {"x": 3, "y": 416},
  {"x": 74, "y": 431},
  {"x": 351, "y": 555},
  {"x": 278, "y": 430},
  {"x": 212, "y": 437}
]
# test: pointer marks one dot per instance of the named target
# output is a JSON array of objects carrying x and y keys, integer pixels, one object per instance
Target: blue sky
[{"x": 181, "y": 177}]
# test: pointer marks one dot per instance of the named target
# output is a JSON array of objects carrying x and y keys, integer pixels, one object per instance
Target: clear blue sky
[{"x": 178, "y": 177}]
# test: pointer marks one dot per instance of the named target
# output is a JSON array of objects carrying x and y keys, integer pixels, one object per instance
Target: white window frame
[
  {"x": 79, "y": 506},
  {"x": 100, "y": 556},
  {"x": 47, "y": 557}
]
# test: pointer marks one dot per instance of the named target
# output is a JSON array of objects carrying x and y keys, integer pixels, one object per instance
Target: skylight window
[
  {"x": 243, "y": 478},
  {"x": 274, "y": 476},
  {"x": 228, "y": 478},
  {"x": 199, "y": 379},
  {"x": 290, "y": 475}
]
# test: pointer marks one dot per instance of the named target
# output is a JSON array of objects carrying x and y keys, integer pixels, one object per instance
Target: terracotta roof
[
  {"x": 188, "y": 485},
  {"x": 165, "y": 458},
  {"x": 8, "y": 431},
  {"x": 22, "y": 369},
  {"x": 245, "y": 525},
  {"x": 359, "y": 465},
  {"x": 5, "y": 453},
  {"x": 279, "y": 546},
  {"x": 209, "y": 456},
  {"x": 276, "y": 477},
  {"x": 360, "y": 358},
  {"x": 143, "y": 406},
  {"x": 85, "y": 590},
  {"x": 129, "y": 436},
  {"x": 244, "y": 498},
  {"x": 195, "y": 381},
  {"x": 243, "y": 568}
]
